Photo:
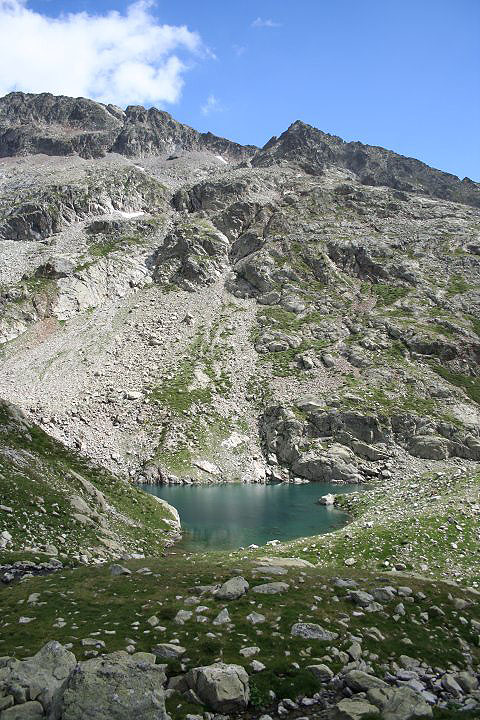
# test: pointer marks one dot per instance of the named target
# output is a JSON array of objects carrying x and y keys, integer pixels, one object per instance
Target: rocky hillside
[
  {"x": 175, "y": 307},
  {"x": 178, "y": 307},
  {"x": 63, "y": 507}
]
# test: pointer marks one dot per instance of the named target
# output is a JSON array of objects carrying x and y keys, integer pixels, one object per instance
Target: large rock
[
  {"x": 25, "y": 711},
  {"x": 399, "y": 703},
  {"x": 359, "y": 681},
  {"x": 428, "y": 447},
  {"x": 232, "y": 589},
  {"x": 321, "y": 672},
  {"x": 312, "y": 631},
  {"x": 43, "y": 675},
  {"x": 353, "y": 709},
  {"x": 114, "y": 687},
  {"x": 326, "y": 467},
  {"x": 360, "y": 597},
  {"x": 169, "y": 651},
  {"x": 224, "y": 688}
]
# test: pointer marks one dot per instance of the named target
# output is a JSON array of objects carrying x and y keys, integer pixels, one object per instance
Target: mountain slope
[
  {"x": 313, "y": 151},
  {"x": 54, "y": 501},
  {"x": 305, "y": 311},
  {"x": 61, "y": 125}
]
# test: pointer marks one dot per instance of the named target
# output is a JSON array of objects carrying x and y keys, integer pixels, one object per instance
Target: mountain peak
[{"x": 60, "y": 125}]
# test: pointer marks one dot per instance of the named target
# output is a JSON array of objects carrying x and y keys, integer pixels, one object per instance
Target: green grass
[
  {"x": 471, "y": 385},
  {"x": 422, "y": 533},
  {"x": 282, "y": 362},
  {"x": 388, "y": 294},
  {"x": 457, "y": 286},
  {"x": 92, "y": 602},
  {"x": 33, "y": 465}
]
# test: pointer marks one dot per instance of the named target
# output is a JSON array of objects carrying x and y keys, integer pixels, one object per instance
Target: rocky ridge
[
  {"x": 178, "y": 308},
  {"x": 54, "y": 125}
]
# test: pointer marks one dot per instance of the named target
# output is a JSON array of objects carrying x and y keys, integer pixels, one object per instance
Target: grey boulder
[
  {"x": 359, "y": 681},
  {"x": 41, "y": 676},
  {"x": 321, "y": 672},
  {"x": 399, "y": 703},
  {"x": 168, "y": 651},
  {"x": 353, "y": 709},
  {"x": 312, "y": 631},
  {"x": 223, "y": 688},
  {"x": 232, "y": 589},
  {"x": 115, "y": 687}
]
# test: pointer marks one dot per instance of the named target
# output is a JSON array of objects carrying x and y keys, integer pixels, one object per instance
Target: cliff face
[
  {"x": 62, "y": 126},
  {"x": 177, "y": 306},
  {"x": 314, "y": 151}
]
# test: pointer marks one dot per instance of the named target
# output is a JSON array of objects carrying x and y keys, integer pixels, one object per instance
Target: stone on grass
[
  {"x": 223, "y": 688},
  {"x": 255, "y": 618},
  {"x": 249, "y": 651},
  {"x": 119, "y": 570},
  {"x": 361, "y": 598},
  {"x": 232, "y": 589},
  {"x": 169, "y": 651},
  {"x": 271, "y": 588},
  {"x": 222, "y": 618},
  {"x": 312, "y": 631},
  {"x": 359, "y": 681},
  {"x": 257, "y": 666},
  {"x": 321, "y": 672},
  {"x": 353, "y": 709}
]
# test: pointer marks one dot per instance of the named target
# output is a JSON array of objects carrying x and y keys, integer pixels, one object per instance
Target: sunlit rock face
[{"x": 183, "y": 309}]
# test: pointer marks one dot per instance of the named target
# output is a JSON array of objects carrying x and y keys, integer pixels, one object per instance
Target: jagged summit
[
  {"x": 59, "y": 125},
  {"x": 314, "y": 151}
]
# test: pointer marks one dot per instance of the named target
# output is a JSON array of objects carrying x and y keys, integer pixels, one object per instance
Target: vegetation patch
[
  {"x": 39, "y": 477},
  {"x": 457, "y": 286},
  {"x": 471, "y": 385},
  {"x": 388, "y": 294}
]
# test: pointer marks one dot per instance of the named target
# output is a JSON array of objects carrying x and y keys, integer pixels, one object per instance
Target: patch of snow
[
  {"x": 125, "y": 214},
  {"x": 219, "y": 157}
]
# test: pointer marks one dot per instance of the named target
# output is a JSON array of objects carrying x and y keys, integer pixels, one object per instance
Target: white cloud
[
  {"x": 212, "y": 104},
  {"x": 118, "y": 58},
  {"x": 265, "y": 23},
  {"x": 239, "y": 50}
]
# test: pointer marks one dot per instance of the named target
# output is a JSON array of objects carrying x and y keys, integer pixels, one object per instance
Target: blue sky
[{"x": 403, "y": 74}]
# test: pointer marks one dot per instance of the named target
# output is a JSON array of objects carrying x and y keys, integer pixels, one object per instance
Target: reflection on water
[{"x": 225, "y": 517}]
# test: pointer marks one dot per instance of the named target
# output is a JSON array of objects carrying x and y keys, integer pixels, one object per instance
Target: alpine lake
[{"x": 232, "y": 515}]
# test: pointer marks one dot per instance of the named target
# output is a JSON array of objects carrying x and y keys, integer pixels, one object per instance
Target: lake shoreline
[{"x": 231, "y": 516}]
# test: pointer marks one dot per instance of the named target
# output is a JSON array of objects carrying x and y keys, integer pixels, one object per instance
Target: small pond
[{"x": 229, "y": 516}]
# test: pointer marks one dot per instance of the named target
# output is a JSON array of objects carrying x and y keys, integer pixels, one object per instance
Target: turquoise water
[{"x": 226, "y": 517}]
